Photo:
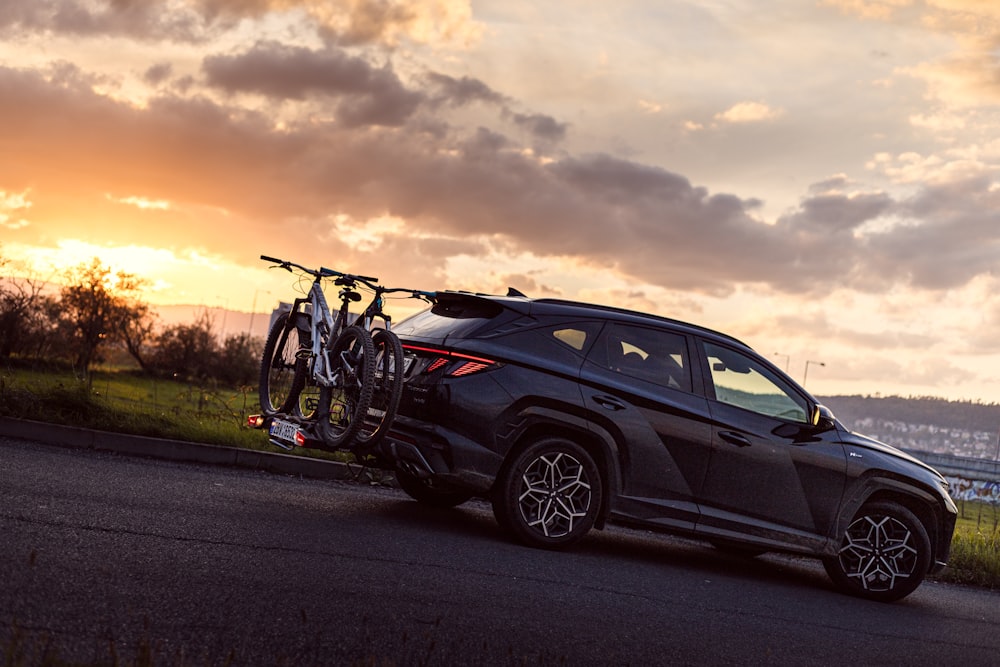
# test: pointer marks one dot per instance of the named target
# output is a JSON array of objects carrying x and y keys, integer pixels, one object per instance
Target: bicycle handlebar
[
  {"x": 414, "y": 293},
  {"x": 368, "y": 281},
  {"x": 322, "y": 272}
]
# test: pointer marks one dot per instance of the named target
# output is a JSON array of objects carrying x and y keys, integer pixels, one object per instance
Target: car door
[
  {"x": 772, "y": 477},
  {"x": 637, "y": 385}
]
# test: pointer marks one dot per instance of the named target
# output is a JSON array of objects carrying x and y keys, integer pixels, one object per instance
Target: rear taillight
[
  {"x": 456, "y": 363},
  {"x": 468, "y": 368}
]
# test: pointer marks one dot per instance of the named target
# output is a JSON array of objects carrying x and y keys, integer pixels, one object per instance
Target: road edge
[{"x": 174, "y": 450}]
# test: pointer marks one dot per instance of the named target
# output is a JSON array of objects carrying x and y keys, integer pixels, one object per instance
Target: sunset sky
[{"x": 817, "y": 177}]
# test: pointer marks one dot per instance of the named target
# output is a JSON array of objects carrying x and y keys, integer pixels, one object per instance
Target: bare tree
[
  {"x": 100, "y": 307},
  {"x": 24, "y": 312},
  {"x": 135, "y": 330},
  {"x": 187, "y": 350}
]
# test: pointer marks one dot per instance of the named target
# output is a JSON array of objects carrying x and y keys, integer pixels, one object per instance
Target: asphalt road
[{"x": 112, "y": 559}]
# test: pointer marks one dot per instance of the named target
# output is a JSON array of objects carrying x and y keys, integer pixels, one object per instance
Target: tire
[
  {"x": 884, "y": 554},
  {"x": 550, "y": 495},
  {"x": 426, "y": 493},
  {"x": 342, "y": 407},
  {"x": 282, "y": 369},
  {"x": 388, "y": 389}
]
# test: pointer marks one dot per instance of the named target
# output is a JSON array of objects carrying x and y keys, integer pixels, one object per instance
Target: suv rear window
[{"x": 456, "y": 315}]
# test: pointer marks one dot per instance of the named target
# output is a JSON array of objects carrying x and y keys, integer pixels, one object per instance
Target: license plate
[
  {"x": 407, "y": 362},
  {"x": 283, "y": 430}
]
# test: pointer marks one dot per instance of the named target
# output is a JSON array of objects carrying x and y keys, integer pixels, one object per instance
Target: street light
[
  {"x": 253, "y": 309},
  {"x": 788, "y": 359},
  {"x": 225, "y": 311},
  {"x": 805, "y": 375}
]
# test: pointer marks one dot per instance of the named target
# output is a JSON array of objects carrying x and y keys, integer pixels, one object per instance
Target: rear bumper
[{"x": 427, "y": 450}]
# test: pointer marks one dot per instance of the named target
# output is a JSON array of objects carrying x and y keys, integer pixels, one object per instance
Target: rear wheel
[
  {"x": 884, "y": 553},
  {"x": 341, "y": 407},
  {"x": 388, "y": 387},
  {"x": 551, "y": 494},
  {"x": 282, "y": 368},
  {"x": 425, "y": 492}
]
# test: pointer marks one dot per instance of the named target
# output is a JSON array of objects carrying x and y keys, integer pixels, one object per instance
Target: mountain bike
[
  {"x": 339, "y": 380},
  {"x": 306, "y": 344}
]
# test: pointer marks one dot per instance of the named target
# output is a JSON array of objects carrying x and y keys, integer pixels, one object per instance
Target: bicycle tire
[
  {"x": 342, "y": 407},
  {"x": 388, "y": 388},
  {"x": 282, "y": 369}
]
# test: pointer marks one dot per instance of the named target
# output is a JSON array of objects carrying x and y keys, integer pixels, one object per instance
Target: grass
[
  {"x": 975, "y": 547},
  {"x": 127, "y": 402}
]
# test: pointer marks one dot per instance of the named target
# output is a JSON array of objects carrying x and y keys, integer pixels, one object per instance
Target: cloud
[
  {"x": 748, "y": 112},
  {"x": 361, "y": 132},
  {"x": 13, "y": 205},
  {"x": 541, "y": 126},
  {"x": 954, "y": 240},
  {"x": 966, "y": 76},
  {"x": 139, "y": 19},
  {"x": 348, "y": 22},
  {"x": 392, "y": 149},
  {"x": 462, "y": 91},
  {"x": 367, "y": 95}
]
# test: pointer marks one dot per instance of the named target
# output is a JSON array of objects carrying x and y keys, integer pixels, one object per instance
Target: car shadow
[
  {"x": 618, "y": 543},
  {"x": 654, "y": 548}
]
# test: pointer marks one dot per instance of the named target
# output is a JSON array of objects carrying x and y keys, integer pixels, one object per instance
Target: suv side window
[
  {"x": 652, "y": 355},
  {"x": 576, "y": 336},
  {"x": 742, "y": 381}
]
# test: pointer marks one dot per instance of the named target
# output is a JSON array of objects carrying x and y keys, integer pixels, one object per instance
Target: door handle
[
  {"x": 734, "y": 438},
  {"x": 609, "y": 403}
]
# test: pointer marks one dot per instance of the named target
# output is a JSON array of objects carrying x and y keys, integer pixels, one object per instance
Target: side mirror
[{"x": 822, "y": 417}]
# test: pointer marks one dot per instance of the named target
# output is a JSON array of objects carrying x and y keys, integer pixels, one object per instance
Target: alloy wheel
[
  {"x": 555, "y": 494},
  {"x": 879, "y": 552}
]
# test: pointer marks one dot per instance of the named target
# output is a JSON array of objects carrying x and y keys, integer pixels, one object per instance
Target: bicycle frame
[{"x": 321, "y": 326}]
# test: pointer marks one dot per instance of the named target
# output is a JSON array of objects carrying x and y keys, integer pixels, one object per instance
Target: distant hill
[
  {"x": 929, "y": 424},
  {"x": 920, "y": 410}
]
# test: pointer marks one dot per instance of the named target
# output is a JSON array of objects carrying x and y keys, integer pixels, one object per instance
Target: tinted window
[
  {"x": 652, "y": 355},
  {"x": 575, "y": 335},
  {"x": 742, "y": 381},
  {"x": 455, "y": 315},
  {"x": 575, "y": 338}
]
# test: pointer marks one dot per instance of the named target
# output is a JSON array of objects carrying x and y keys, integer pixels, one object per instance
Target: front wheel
[
  {"x": 884, "y": 554},
  {"x": 282, "y": 367},
  {"x": 550, "y": 495},
  {"x": 341, "y": 408}
]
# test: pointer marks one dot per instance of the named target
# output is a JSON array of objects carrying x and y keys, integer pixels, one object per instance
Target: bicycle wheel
[
  {"x": 342, "y": 407},
  {"x": 282, "y": 370},
  {"x": 388, "y": 389}
]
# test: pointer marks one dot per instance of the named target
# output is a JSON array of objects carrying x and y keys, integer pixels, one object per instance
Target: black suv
[{"x": 567, "y": 415}]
